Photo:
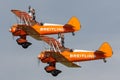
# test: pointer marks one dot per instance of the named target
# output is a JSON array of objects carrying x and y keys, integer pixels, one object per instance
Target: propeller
[
  {"x": 11, "y": 33},
  {"x": 38, "y": 62},
  {"x": 13, "y": 37}
]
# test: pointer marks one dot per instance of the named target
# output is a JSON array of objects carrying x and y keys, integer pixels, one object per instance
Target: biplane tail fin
[
  {"x": 75, "y": 23},
  {"x": 107, "y": 49}
]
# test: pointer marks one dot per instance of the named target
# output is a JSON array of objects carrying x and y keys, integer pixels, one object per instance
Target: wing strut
[
  {"x": 57, "y": 47},
  {"x": 53, "y": 47}
]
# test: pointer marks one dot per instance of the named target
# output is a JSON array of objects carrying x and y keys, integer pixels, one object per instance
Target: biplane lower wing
[
  {"x": 60, "y": 58},
  {"x": 49, "y": 40},
  {"x": 30, "y": 31}
]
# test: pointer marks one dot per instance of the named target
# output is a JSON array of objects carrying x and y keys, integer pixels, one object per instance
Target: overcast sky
[{"x": 100, "y": 20}]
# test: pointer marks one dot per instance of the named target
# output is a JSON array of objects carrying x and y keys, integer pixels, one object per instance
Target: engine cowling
[
  {"x": 16, "y": 31},
  {"x": 46, "y": 57}
]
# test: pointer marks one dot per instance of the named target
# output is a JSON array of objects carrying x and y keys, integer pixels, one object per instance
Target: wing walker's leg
[{"x": 61, "y": 39}]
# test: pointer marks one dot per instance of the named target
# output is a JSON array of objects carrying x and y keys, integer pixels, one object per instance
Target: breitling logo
[
  {"x": 82, "y": 56},
  {"x": 52, "y": 29}
]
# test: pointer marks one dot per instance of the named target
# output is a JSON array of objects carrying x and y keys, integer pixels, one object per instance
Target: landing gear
[
  {"x": 55, "y": 72},
  {"x": 51, "y": 69},
  {"x": 104, "y": 60},
  {"x": 26, "y": 45},
  {"x": 73, "y": 33},
  {"x": 23, "y": 43}
]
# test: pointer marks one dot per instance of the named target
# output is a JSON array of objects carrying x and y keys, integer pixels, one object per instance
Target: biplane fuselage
[
  {"x": 74, "y": 56},
  {"x": 37, "y": 29}
]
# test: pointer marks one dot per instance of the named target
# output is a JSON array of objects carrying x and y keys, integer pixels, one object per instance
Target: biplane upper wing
[
  {"x": 23, "y": 16},
  {"x": 60, "y": 58}
]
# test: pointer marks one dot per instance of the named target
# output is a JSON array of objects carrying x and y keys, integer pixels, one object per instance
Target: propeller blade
[
  {"x": 13, "y": 37},
  {"x": 38, "y": 62}
]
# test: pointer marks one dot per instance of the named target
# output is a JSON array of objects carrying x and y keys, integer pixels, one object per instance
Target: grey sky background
[{"x": 100, "y": 20}]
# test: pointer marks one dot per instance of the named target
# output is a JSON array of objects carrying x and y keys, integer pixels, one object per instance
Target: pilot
[{"x": 31, "y": 12}]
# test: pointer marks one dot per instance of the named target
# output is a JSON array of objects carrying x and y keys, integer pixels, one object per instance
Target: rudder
[
  {"x": 75, "y": 23},
  {"x": 107, "y": 49}
]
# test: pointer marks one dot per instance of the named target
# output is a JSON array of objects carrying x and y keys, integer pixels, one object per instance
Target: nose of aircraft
[
  {"x": 40, "y": 56},
  {"x": 12, "y": 29}
]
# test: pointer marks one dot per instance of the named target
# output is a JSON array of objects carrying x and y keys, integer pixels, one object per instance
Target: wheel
[
  {"x": 55, "y": 72},
  {"x": 104, "y": 60},
  {"x": 26, "y": 45},
  {"x": 73, "y": 33}
]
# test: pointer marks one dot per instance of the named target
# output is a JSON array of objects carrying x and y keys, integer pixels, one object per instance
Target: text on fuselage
[
  {"x": 52, "y": 29},
  {"x": 82, "y": 56}
]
